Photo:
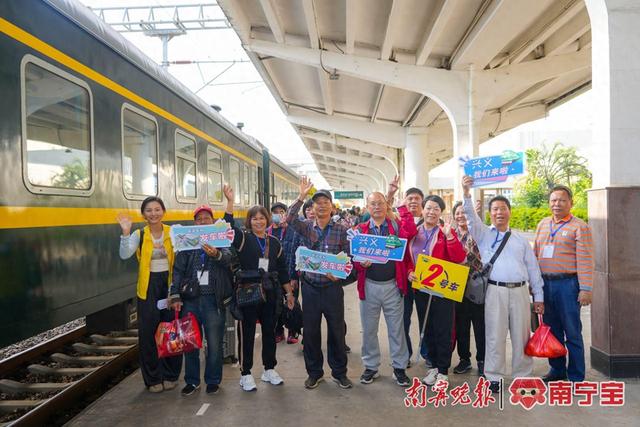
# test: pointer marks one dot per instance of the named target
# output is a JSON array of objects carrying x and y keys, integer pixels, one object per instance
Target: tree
[
  {"x": 73, "y": 175},
  {"x": 530, "y": 192},
  {"x": 546, "y": 168}
]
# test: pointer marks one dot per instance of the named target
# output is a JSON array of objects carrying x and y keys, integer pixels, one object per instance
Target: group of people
[{"x": 556, "y": 273}]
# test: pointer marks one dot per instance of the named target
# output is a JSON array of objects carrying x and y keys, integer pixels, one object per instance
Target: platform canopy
[{"x": 367, "y": 82}]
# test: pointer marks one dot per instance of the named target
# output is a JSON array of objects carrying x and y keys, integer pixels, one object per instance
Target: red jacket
[
  {"x": 447, "y": 250},
  {"x": 407, "y": 230}
]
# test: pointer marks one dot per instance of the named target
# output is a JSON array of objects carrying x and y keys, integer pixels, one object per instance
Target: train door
[{"x": 260, "y": 190}]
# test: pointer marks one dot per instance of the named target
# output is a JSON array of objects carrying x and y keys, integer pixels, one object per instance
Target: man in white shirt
[{"x": 507, "y": 297}]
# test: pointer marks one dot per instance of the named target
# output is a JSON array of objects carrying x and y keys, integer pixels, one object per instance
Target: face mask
[{"x": 276, "y": 218}]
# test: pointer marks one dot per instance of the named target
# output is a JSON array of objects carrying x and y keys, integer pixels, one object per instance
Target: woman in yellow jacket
[{"x": 155, "y": 258}]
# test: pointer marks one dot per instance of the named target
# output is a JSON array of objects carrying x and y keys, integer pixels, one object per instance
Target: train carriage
[{"x": 90, "y": 127}]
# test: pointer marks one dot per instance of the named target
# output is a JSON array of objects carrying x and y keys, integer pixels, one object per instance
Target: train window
[
  {"x": 57, "y": 130},
  {"x": 185, "y": 166},
  {"x": 139, "y": 153},
  {"x": 234, "y": 175},
  {"x": 245, "y": 185},
  {"x": 214, "y": 175}
]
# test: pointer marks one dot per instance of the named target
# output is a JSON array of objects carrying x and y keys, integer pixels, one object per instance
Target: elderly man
[
  {"x": 381, "y": 287},
  {"x": 564, "y": 250},
  {"x": 322, "y": 294},
  {"x": 507, "y": 298}
]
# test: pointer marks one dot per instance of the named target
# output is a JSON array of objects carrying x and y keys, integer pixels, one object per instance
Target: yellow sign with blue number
[{"x": 441, "y": 278}]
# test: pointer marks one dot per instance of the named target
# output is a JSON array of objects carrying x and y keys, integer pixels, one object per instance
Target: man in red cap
[{"x": 209, "y": 267}]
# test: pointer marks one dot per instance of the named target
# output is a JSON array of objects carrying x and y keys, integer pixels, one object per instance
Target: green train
[{"x": 90, "y": 127}]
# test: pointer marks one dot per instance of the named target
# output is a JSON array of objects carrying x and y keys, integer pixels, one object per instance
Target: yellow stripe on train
[{"x": 12, "y": 217}]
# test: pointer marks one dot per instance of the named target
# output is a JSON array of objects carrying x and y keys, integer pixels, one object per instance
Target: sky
[{"x": 238, "y": 89}]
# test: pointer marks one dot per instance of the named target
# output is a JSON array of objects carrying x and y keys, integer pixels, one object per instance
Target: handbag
[
  {"x": 543, "y": 343},
  {"x": 293, "y": 318},
  {"x": 478, "y": 281},
  {"x": 190, "y": 289},
  {"x": 249, "y": 289},
  {"x": 250, "y": 294},
  {"x": 189, "y": 286},
  {"x": 178, "y": 336}
]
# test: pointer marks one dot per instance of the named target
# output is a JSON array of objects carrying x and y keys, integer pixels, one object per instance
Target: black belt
[
  {"x": 559, "y": 276},
  {"x": 507, "y": 284}
]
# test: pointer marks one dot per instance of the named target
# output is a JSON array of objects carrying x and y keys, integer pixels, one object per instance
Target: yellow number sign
[{"x": 442, "y": 278}]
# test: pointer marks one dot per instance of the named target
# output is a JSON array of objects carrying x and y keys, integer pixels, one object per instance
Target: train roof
[
  {"x": 85, "y": 18},
  {"x": 283, "y": 166}
]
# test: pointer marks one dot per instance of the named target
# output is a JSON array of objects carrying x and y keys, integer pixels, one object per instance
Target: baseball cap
[
  {"x": 278, "y": 205},
  {"x": 202, "y": 208},
  {"x": 322, "y": 193}
]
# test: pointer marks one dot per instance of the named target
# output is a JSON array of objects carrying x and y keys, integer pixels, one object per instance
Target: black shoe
[
  {"x": 494, "y": 387},
  {"x": 368, "y": 376},
  {"x": 343, "y": 382},
  {"x": 553, "y": 377},
  {"x": 463, "y": 366},
  {"x": 189, "y": 389},
  {"x": 347, "y": 348},
  {"x": 481, "y": 368},
  {"x": 312, "y": 383},
  {"x": 401, "y": 377},
  {"x": 213, "y": 388},
  {"x": 428, "y": 363}
]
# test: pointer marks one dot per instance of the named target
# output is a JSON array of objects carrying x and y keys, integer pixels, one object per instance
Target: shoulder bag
[{"x": 478, "y": 281}]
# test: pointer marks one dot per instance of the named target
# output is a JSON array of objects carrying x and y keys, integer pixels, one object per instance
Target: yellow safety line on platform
[
  {"x": 35, "y": 43},
  {"x": 33, "y": 217}
]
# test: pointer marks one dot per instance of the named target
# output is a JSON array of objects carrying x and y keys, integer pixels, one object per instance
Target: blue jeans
[
  {"x": 562, "y": 314},
  {"x": 212, "y": 322}
]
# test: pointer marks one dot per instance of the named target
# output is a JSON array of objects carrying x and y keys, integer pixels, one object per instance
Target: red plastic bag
[
  {"x": 544, "y": 344},
  {"x": 178, "y": 336}
]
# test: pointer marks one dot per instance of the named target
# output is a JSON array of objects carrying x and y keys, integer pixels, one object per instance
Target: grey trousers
[{"x": 383, "y": 296}]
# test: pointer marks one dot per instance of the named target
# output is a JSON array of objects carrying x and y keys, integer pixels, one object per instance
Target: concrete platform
[{"x": 377, "y": 404}]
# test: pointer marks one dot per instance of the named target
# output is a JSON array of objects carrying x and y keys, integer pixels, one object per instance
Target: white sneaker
[
  {"x": 432, "y": 376},
  {"x": 271, "y": 376},
  {"x": 248, "y": 383},
  {"x": 441, "y": 377}
]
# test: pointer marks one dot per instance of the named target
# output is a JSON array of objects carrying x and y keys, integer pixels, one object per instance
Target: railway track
[{"x": 42, "y": 383}]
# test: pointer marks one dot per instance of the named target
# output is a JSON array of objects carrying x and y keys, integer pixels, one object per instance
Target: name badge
[
  {"x": 263, "y": 263},
  {"x": 547, "y": 251},
  {"x": 203, "y": 277}
]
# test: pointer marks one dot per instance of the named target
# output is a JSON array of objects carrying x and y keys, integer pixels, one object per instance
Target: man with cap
[
  {"x": 209, "y": 267},
  {"x": 279, "y": 229},
  {"x": 322, "y": 294}
]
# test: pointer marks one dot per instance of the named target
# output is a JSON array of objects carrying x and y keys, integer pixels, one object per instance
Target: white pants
[{"x": 507, "y": 309}]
